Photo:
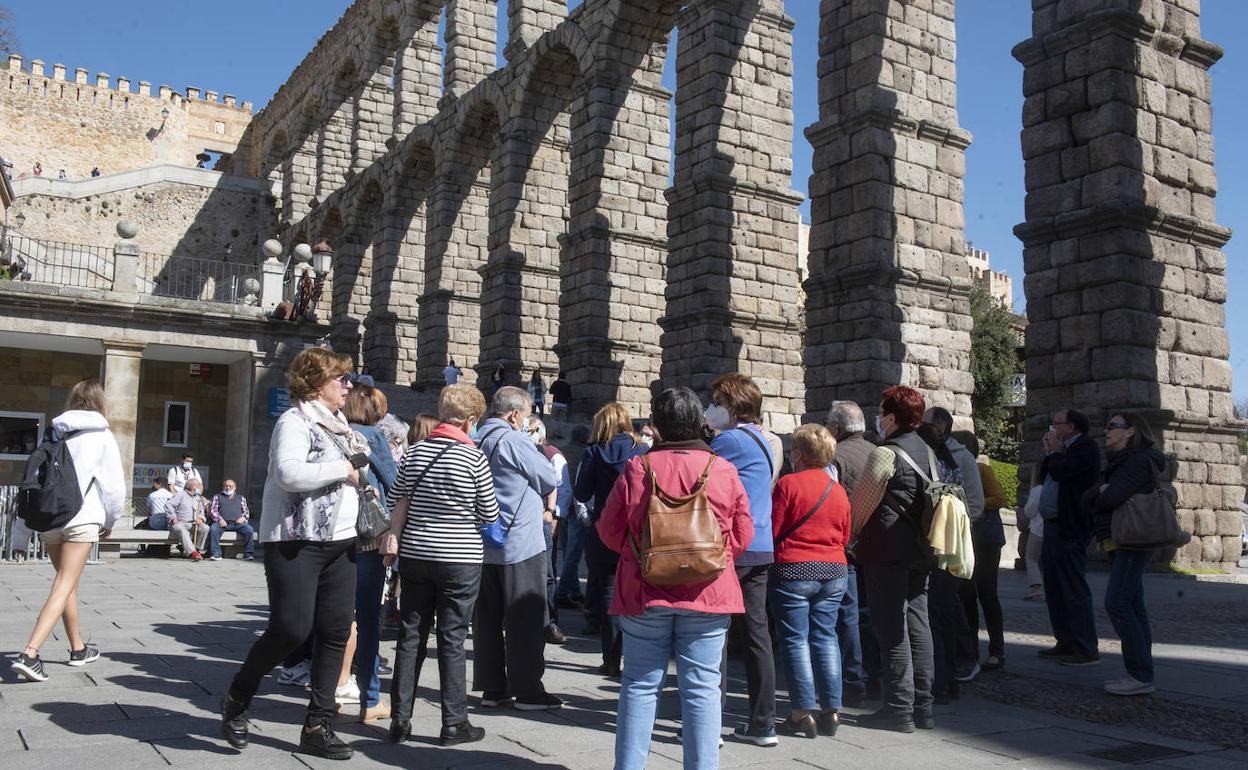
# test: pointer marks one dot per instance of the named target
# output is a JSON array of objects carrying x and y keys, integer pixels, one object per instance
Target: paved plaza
[{"x": 172, "y": 632}]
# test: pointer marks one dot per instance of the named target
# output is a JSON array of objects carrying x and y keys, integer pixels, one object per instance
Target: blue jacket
[
  {"x": 523, "y": 477},
  {"x": 754, "y": 466},
  {"x": 381, "y": 468},
  {"x": 600, "y": 467}
]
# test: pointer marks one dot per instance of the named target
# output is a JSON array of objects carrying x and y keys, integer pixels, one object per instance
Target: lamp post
[{"x": 322, "y": 263}]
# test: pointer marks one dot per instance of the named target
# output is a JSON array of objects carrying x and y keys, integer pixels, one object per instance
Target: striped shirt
[{"x": 455, "y": 497}]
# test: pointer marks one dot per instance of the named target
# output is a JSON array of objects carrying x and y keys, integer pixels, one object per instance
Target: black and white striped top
[{"x": 454, "y": 498}]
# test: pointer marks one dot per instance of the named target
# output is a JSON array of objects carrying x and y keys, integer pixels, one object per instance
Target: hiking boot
[
  {"x": 465, "y": 732},
  {"x": 322, "y": 742},
  {"x": 234, "y": 725},
  {"x": 31, "y": 668},
  {"x": 87, "y": 654}
]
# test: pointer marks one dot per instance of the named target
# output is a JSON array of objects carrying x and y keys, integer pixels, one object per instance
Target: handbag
[
  {"x": 681, "y": 540},
  {"x": 1147, "y": 520},
  {"x": 373, "y": 520}
]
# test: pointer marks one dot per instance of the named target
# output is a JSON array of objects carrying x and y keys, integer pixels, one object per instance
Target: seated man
[
  {"x": 156, "y": 502},
  {"x": 229, "y": 514},
  {"x": 187, "y": 520}
]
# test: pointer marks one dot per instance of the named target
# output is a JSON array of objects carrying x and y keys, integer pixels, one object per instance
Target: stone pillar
[
  {"x": 238, "y": 422},
  {"x": 333, "y": 148},
  {"x": 471, "y": 42},
  {"x": 887, "y": 300},
  {"x": 1126, "y": 280},
  {"x": 268, "y": 370},
  {"x": 417, "y": 71},
  {"x": 732, "y": 279},
  {"x": 272, "y": 275},
  {"x": 127, "y": 279},
  {"x": 122, "y": 364},
  {"x": 527, "y": 20}
]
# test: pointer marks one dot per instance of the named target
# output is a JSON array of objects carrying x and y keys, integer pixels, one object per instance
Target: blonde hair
[
  {"x": 609, "y": 422},
  {"x": 87, "y": 395},
  {"x": 458, "y": 403},
  {"x": 311, "y": 369},
  {"x": 815, "y": 444}
]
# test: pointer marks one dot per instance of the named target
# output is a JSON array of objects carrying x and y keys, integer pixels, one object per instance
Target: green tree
[
  {"x": 993, "y": 361},
  {"x": 8, "y": 38}
]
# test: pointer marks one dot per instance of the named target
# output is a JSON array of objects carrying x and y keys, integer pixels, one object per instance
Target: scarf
[
  {"x": 447, "y": 430},
  {"x": 335, "y": 424}
]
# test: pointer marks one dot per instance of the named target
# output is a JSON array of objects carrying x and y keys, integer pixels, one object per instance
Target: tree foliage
[
  {"x": 993, "y": 361},
  {"x": 8, "y": 36}
]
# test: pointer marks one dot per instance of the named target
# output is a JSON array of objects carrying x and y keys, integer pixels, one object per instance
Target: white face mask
[
  {"x": 186, "y": 466},
  {"x": 538, "y": 436},
  {"x": 879, "y": 429},
  {"x": 647, "y": 442},
  {"x": 524, "y": 424},
  {"x": 717, "y": 417},
  {"x": 228, "y": 492}
]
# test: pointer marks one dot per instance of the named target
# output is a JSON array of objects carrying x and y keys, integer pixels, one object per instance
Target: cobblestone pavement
[{"x": 172, "y": 632}]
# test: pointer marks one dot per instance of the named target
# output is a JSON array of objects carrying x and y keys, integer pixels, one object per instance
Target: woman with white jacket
[
  {"x": 308, "y": 526},
  {"x": 97, "y": 463}
]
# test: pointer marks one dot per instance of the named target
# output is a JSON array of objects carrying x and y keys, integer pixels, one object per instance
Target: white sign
[{"x": 1018, "y": 390}]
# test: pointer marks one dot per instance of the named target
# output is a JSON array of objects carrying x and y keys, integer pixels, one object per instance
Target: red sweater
[{"x": 823, "y": 537}]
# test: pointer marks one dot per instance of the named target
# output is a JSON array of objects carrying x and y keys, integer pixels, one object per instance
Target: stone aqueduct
[{"x": 523, "y": 214}]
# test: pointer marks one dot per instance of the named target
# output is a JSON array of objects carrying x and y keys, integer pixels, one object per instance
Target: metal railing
[
  {"x": 207, "y": 280},
  {"x": 23, "y": 258}
]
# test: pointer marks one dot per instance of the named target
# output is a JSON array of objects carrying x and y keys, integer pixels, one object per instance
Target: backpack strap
[
  {"x": 931, "y": 458},
  {"x": 771, "y": 464},
  {"x": 785, "y": 535}
]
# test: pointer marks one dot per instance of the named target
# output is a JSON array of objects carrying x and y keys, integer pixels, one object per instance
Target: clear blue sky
[{"x": 248, "y": 48}]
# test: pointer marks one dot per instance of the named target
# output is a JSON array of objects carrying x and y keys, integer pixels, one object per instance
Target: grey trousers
[
  {"x": 897, "y": 596},
  {"x": 509, "y": 633},
  {"x": 184, "y": 530}
]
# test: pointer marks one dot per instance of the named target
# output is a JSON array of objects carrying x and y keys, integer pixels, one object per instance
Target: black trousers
[
  {"x": 897, "y": 595},
  {"x": 981, "y": 591},
  {"x": 311, "y": 589},
  {"x": 947, "y": 619},
  {"x": 760, "y": 662},
  {"x": 610, "y": 637},
  {"x": 509, "y": 641},
  {"x": 448, "y": 592},
  {"x": 1065, "y": 566}
]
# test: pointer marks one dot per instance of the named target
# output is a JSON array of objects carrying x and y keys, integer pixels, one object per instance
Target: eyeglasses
[
  {"x": 344, "y": 380},
  {"x": 1117, "y": 426}
]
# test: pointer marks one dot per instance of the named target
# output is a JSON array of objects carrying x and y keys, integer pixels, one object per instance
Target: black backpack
[{"x": 49, "y": 496}]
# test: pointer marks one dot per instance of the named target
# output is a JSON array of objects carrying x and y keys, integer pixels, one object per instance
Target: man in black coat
[{"x": 1072, "y": 461}]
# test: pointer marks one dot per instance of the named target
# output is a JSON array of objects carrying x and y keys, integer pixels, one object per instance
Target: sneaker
[
  {"x": 87, "y": 654},
  {"x": 244, "y": 557},
  {"x": 968, "y": 673},
  {"x": 234, "y": 724},
  {"x": 494, "y": 700},
  {"x": 886, "y": 720},
  {"x": 994, "y": 662},
  {"x": 297, "y": 675},
  {"x": 1081, "y": 659},
  {"x": 30, "y": 668},
  {"x": 347, "y": 692},
  {"x": 680, "y": 737},
  {"x": 543, "y": 702},
  {"x": 214, "y": 557},
  {"x": 759, "y": 736},
  {"x": 466, "y": 732},
  {"x": 1056, "y": 651},
  {"x": 1129, "y": 685},
  {"x": 322, "y": 742}
]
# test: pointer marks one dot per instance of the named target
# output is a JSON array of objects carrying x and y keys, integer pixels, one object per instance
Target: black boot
[
  {"x": 461, "y": 733},
  {"x": 234, "y": 725},
  {"x": 322, "y": 742},
  {"x": 887, "y": 720},
  {"x": 400, "y": 730}
]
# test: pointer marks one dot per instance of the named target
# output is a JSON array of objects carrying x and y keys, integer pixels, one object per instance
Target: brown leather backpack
[{"x": 681, "y": 541}]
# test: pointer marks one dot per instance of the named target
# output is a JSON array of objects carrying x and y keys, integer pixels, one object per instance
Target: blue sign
[{"x": 279, "y": 401}]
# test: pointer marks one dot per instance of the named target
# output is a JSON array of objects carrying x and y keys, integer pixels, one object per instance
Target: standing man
[
  {"x": 156, "y": 502},
  {"x": 560, "y": 397},
  {"x": 229, "y": 514},
  {"x": 452, "y": 373},
  {"x": 552, "y": 523},
  {"x": 180, "y": 474},
  {"x": 1072, "y": 462},
  {"x": 853, "y": 631},
  {"x": 186, "y": 514},
  {"x": 510, "y": 628}
]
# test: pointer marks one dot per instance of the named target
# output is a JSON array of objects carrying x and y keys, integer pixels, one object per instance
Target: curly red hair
[{"x": 905, "y": 404}]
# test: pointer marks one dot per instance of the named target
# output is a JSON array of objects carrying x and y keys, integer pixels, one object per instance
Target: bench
[{"x": 155, "y": 537}]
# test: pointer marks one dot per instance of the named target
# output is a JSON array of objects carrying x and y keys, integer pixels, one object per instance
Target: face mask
[
  {"x": 647, "y": 442},
  {"x": 229, "y": 492},
  {"x": 717, "y": 417},
  {"x": 472, "y": 431},
  {"x": 538, "y": 437},
  {"x": 879, "y": 428},
  {"x": 525, "y": 424},
  {"x": 186, "y": 466}
]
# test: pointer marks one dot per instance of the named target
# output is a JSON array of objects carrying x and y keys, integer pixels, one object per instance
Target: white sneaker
[
  {"x": 349, "y": 693},
  {"x": 1129, "y": 685},
  {"x": 297, "y": 675}
]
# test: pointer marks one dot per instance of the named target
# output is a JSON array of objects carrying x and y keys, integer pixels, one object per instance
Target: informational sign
[
  {"x": 279, "y": 401},
  {"x": 146, "y": 473},
  {"x": 1018, "y": 390}
]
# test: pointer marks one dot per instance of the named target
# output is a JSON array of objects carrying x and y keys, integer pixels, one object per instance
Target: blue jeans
[
  {"x": 552, "y": 610},
  {"x": 806, "y": 617},
  {"x": 650, "y": 640},
  {"x": 370, "y": 582},
  {"x": 850, "y": 639},
  {"x": 1124, "y": 601},
  {"x": 570, "y": 568},
  {"x": 158, "y": 521},
  {"x": 244, "y": 531}
]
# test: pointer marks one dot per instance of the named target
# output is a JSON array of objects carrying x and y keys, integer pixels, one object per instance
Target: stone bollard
[
  {"x": 126, "y": 276},
  {"x": 272, "y": 271}
]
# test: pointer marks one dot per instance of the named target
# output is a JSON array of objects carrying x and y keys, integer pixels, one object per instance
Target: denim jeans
[
  {"x": 1124, "y": 602},
  {"x": 552, "y": 577},
  {"x": 244, "y": 531},
  {"x": 650, "y": 640},
  {"x": 158, "y": 521},
  {"x": 609, "y": 635},
  {"x": 570, "y": 565},
  {"x": 806, "y": 620},
  {"x": 370, "y": 582},
  {"x": 853, "y": 673}
]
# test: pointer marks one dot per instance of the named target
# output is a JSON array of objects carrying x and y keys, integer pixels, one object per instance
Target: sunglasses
[
  {"x": 344, "y": 380},
  {"x": 1117, "y": 426}
]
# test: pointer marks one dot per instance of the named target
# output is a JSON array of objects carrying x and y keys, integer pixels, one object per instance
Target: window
[
  {"x": 177, "y": 422},
  {"x": 20, "y": 433}
]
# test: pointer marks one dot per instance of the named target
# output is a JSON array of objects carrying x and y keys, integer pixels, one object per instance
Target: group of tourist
[{"x": 476, "y": 496}]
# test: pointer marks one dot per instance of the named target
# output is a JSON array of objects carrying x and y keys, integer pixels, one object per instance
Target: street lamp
[{"x": 322, "y": 258}]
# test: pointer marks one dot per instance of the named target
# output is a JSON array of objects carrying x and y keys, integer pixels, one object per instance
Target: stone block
[{"x": 1206, "y": 523}]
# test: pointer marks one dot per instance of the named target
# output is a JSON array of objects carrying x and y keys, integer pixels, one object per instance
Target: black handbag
[{"x": 1147, "y": 520}]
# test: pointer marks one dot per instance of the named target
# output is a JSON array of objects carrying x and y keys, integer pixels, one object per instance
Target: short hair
[
  {"x": 509, "y": 399},
  {"x": 365, "y": 405},
  {"x": 677, "y": 413},
  {"x": 815, "y": 443},
  {"x": 848, "y": 415},
  {"x": 905, "y": 404},
  {"x": 745, "y": 400},
  {"x": 942, "y": 418},
  {"x": 1077, "y": 419},
  {"x": 422, "y": 426},
  {"x": 610, "y": 421},
  {"x": 188, "y": 456},
  {"x": 193, "y": 482},
  {"x": 158, "y": 485},
  {"x": 458, "y": 403},
  {"x": 1143, "y": 431},
  {"x": 87, "y": 396},
  {"x": 230, "y": 481},
  {"x": 968, "y": 440},
  {"x": 311, "y": 369},
  {"x": 394, "y": 429}
]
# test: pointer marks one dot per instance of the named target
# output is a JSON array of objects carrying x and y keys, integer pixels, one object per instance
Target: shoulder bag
[
  {"x": 797, "y": 525},
  {"x": 1147, "y": 520},
  {"x": 681, "y": 540},
  {"x": 771, "y": 464}
]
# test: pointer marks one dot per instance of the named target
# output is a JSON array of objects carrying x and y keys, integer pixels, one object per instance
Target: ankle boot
[
  {"x": 799, "y": 722},
  {"x": 828, "y": 721}
]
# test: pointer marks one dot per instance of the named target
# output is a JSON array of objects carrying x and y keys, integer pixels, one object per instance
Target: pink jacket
[{"x": 677, "y": 466}]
